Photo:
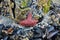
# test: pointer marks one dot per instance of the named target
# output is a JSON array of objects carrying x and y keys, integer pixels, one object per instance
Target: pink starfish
[{"x": 29, "y": 21}]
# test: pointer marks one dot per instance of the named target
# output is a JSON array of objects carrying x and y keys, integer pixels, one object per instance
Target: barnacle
[{"x": 36, "y": 16}]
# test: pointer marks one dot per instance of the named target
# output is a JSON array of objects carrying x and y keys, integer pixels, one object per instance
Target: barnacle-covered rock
[{"x": 30, "y": 22}]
